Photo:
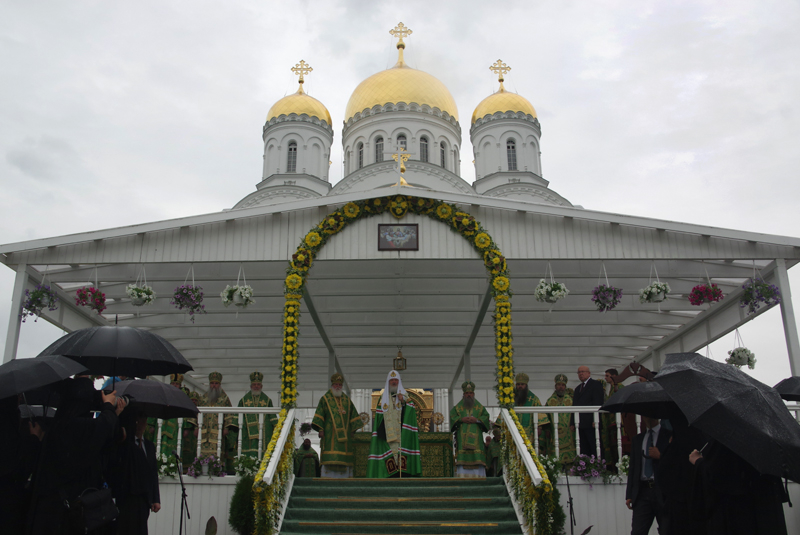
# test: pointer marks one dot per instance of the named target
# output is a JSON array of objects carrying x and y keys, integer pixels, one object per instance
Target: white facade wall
[
  {"x": 313, "y": 139},
  {"x": 489, "y": 141}
]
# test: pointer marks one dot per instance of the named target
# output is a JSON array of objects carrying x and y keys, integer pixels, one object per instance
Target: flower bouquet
[
  {"x": 606, "y": 297},
  {"x": 757, "y": 293},
  {"x": 167, "y": 466},
  {"x": 550, "y": 292},
  {"x": 465, "y": 224},
  {"x": 302, "y": 259},
  {"x": 245, "y": 465},
  {"x": 655, "y": 292},
  {"x": 588, "y": 467},
  {"x": 91, "y": 297},
  {"x": 209, "y": 465},
  {"x": 140, "y": 295},
  {"x": 37, "y": 300},
  {"x": 741, "y": 356},
  {"x": 189, "y": 297},
  {"x": 705, "y": 293},
  {"x": 494, "y": 261},
  {"x": 241, "y": 296}
]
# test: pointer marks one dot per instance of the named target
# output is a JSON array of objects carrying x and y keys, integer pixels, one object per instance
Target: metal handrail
[
  {"x": 272, "y": 467},
  {"x": 522, "y": 449}
]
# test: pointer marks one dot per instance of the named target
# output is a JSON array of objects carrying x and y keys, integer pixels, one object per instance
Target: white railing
[
  {"x": 522, "y": 449},
  {"x": 274, "y": 461}
]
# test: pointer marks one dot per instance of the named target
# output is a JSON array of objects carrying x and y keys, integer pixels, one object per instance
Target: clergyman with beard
[
  {"x": 306, "y": 460},
  {"x": 561, "y": 397},
  {"x": 336, "y": 420},
  {"x": 469, "y": 420},
  {"x": 216, "y": 397},
  {"x": 256, "y": 398},
  {"x": 523, "y": 397}
]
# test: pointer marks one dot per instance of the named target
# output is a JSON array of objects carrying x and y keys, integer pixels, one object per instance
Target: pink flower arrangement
[
  {"x": 91, "y": 297},
  {"x": 705, "y": 293},
  {"x": 189, "y": 297}
]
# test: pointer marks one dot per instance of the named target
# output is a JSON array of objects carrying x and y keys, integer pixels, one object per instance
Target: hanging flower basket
[
  {"x": 241, "y": 296},
  {"x": 741, "y": 356},
  {"x": 656, "y": 292},
  {"x": 38, "y": 299},
  {"x": 758, "y": 293},
  {"x": 705, "y": 293},
  {"x": 189, "y": 297},
  {"x": 91, "y": 297},
  {"x": 140, "y": 295},
  {"x": 550, "y": 292},
  {"x": 606, "y": 297}
]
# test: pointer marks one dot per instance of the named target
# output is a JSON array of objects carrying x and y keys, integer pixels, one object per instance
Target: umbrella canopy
[
  {"x": 157, "y": 399},
  {"x": 112, "y": 350},
  {"x": 24, "y": 375},
  {"x": 789, "y": 389},
  {"x": 647, "y": 399},
  {"x": 743, "y": 414}
]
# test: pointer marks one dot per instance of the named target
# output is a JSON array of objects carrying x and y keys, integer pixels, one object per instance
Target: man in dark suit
[
  {"x": 588, "y": 393},
  {"x": 644, "y": 493}
]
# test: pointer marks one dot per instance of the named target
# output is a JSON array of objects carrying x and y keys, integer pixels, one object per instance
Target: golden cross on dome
[
  {"x": 500, "y": 68},
  {"x": 302, "y": 69},
  {"x": 401, "y": 157},
  {"x": 400, "y": 31}
]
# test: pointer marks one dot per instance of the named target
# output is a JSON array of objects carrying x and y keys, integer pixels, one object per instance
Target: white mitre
[{"x": 386, "y": 398}]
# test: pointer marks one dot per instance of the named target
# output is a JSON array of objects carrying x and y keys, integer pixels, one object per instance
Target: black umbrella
[
  {"x": 647, "y": 399},
  {"x": 157, "y": 399},
  {"x": 789, "y": 389},
  {"x": 24, "y": 375},
  {"x": 113, "y": 350},
  {"x": 743, "y": 414}
]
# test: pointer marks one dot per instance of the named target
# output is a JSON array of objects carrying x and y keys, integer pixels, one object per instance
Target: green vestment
[
  {"x": 189, "y": 444},
  {"x": 389, "y": 440},
  {"x": 209, "y": 434},
  {"x": 169, "y": 436},
  {"x": 566, "y": 436},
  {"x": 250, "y": 424},
  {"x": 469, "y": 437},
  {"x": 338, "y": 419},
  {"x": 306, "y": 466},
  {"x": 527, "y": 419}
]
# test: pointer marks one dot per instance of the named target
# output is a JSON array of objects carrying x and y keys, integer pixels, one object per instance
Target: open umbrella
[
  {"x": 743, "y": 414},
  {"x": 789, "y": 389},
  {"x": 647, "y": 399},
  {"x": 113, "y": 350},
  {"x": 157, "y": 399},
  {"x": 24, "y": 375}
]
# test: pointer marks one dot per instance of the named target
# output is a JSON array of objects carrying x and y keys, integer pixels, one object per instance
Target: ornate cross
[
  {"x": 401, "y": 156},
  {"x": 302, "y": 69},
  {"x": 400, "y": 31},
  {"x": 499, "y": 68}
]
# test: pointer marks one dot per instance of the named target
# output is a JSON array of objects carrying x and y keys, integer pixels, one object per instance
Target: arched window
[
  {"x": 378, "y": 149},
  {"x": 291, "y": 158},
  {"x": 511, "y": 150},
  {"x": 442, "y": 157},
  {"x": 401, "y": 142},
  {"x": 423, "y": 149},
  {"x": 360, "y": 151}
]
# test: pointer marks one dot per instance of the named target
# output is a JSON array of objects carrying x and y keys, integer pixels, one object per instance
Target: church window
[
  {"x": 442, "y": 155},
  {"x": 423, "y": 149},
  {"x": 378, "y": 149},
  {"x": 401, "y": 142},
  {"x": 291, "y": 160},
  {"x": 360, "y": 155},
  {"x": 511, "y": 150}
]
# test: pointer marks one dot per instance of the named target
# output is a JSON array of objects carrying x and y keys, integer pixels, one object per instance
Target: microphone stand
[
  {"x": 572, "y": 521},
  {"x": 184, "y": 502}
]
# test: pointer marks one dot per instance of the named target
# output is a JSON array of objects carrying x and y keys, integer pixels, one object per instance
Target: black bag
[{"x": 98, "y": 508}]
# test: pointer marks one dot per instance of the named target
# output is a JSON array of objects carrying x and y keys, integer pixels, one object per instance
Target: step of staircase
[{"x": 429, "y": 506}]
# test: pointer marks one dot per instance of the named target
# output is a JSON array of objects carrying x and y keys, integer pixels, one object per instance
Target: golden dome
[
  {"x": 502, "y": 101},
  {"x": 300, "y": 103}
]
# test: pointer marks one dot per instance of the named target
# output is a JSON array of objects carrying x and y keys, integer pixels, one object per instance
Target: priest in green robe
[
  {"x": 469, "y": 420},
  {"x": 523, "y": 397},
  {"x": 336, "y": 420},
  {"x": 561, "y": 397},
  {"x": 306, "y": 460},
  {"x": 256, "y": 398},
  {"x": 394, "y": 448},
  {"x": 216, "y": 397}
]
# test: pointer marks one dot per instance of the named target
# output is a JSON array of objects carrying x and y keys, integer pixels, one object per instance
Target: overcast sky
[{"x": 119, "y": 113}]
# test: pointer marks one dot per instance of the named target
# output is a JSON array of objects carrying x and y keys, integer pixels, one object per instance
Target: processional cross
[
  {"x": 500, "y": 68},
  {"x": 302, "y": 69}
]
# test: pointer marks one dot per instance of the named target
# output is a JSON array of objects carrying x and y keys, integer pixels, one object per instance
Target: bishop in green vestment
[
  {"x": 216, "y": 397},
  {"x": 256, "y": 398},
  {"x": 562, "y": 397},
  {"x": 523, "y": 397},
  {"x": 469, "y": 420},
  {"x": 306, "y": 460},
  {"x": 336, "y": 419},
  {"x": 394, "y": 448}
]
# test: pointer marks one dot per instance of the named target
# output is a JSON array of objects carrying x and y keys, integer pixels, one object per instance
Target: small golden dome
[
  {"x": 299, "y": 102},
  {"x": 502, "y": 101}
]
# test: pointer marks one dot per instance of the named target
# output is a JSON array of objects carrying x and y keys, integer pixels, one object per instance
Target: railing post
[
  {"x": 199, "y": 434},
  {"x": 241, "y": 434},
  {"x": 220, "y": 438},
  {"x": 260, "y": 433},
  {"x": 577, "y": 416},
  {"x": 179, "y": 445},
  {"x": 159, "y": 423},
  {"x": 618, "y": 419},
  {"x": 555, "y": 434},
  {"x": 535, "y": 418}
]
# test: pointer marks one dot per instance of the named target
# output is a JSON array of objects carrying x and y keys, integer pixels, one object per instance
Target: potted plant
[
  {"x": 588, "y": 467},
  {"x": 655, "y": 292},
  {"x": 140, "y": 295},
  {"x": 189, "y": 297},
  {"x": 91, "y": 297},
  {"x": 741, "y": 356},
  {"x": 36, "y": 300},
  {"x": 550, "y": 292},
  {"x": 606, "y": 297},
  {"x": 167, "y": 466},
  {"x": 239, "y": 295},
  {"x": 207, "y": 465},
  {"x": 757, "y": 293},
  {"x": 705, "y": 293}
]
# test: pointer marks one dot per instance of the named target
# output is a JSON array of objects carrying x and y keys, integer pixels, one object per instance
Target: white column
[
  {"x": 14, "y": 321},
  {"x": 441, "y": 403},
  {"x": 787, "y": 312}
]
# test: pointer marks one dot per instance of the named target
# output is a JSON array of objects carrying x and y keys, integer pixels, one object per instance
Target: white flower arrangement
[
  {"x": 140, "y": 295},
  {"x": 167, "y": 465},
  {"x": 741, "y": 356},
  {"x": 624, "y": 465},
  {"x": 655, "y": 292},
  {"x": 241, "y": 296},
  {"x": 550, "y": 292}
]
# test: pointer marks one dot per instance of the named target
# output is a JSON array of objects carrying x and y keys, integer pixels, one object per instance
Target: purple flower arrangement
[
  {"x": 91, "y": 297},
  {"x": 757, "y": 293},
  {"x": 588, "y": 467},
  {"x": 37, "y": 300},
  {"x": 215, "y": 466},
  {"x": 189, "y": 297},
  {"x": 606, "y": 297}
]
